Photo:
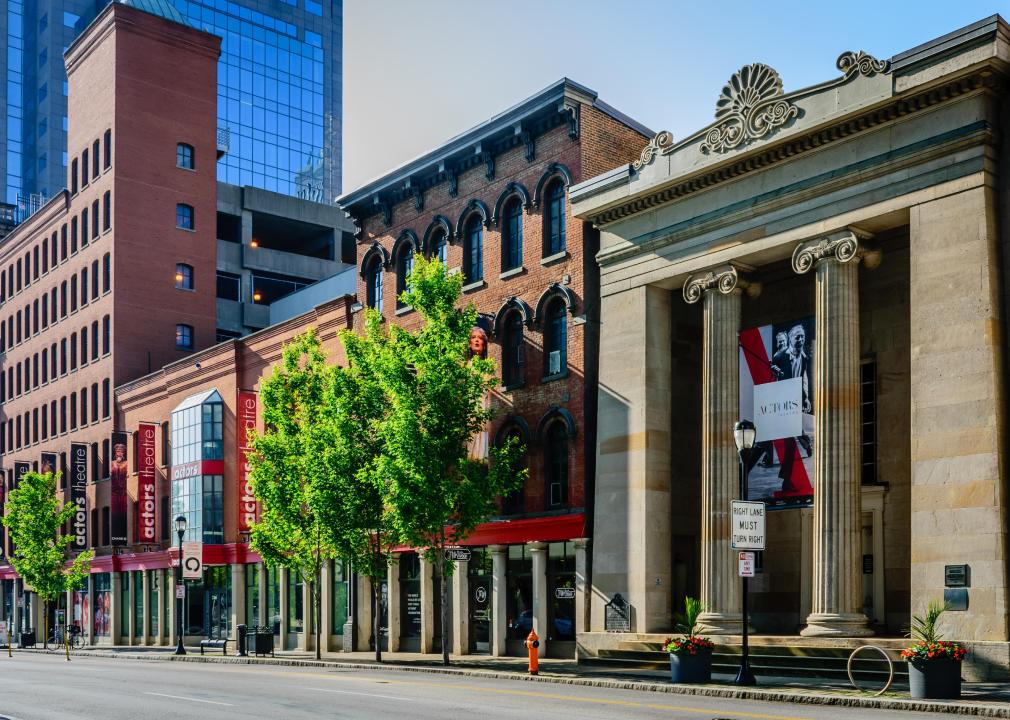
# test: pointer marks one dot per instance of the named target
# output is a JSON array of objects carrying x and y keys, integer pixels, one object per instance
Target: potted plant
[
  {"x": 690, "y": 655},
  {"x": 934, "y": 664}
]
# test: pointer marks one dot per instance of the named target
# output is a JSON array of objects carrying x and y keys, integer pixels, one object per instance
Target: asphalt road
[{"x": 46, "y": 687}]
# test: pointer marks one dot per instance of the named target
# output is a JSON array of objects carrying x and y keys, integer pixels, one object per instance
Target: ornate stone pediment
[
  {"x": 751, "y": 106},
  {"x": 662, "y": 140}
]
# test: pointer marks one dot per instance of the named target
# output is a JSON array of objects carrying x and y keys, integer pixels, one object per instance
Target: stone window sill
[
  {"x": 474, "y": 286},
  {"x": 555, "y": 258},
  {"x": 512, "y": 273},
  {"x": 404, "y": 310},
  {"x": 556, "y": 376}
]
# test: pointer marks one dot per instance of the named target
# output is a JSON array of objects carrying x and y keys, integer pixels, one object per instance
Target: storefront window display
[
  {"x": 103, "y": 603},
  {"x": 296, "y": 608},
  {"x": 81, "y": 612},
  {"x": 124, "y": 605},
  {"x": 561, "y": 592},
  {"x": 480, "y": 573},
  {"x": 274, "y": 599},
  {"x": 138, "y": 610},
  {"x": 519, "y": 596},
  {"x": 252, "y": 595},
  {"x": 340, "y": 596},
  {"x": 154, "y": 600}
]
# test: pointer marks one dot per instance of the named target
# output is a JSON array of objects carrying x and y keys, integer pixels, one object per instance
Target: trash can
[
  {"x": 262, "y": 640},
  {"x": 28, "y": 639},
  {"x": 241, "y": 637}
]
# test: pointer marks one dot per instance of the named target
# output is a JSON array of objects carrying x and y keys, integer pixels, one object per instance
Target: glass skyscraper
[{"x": 280, "y": 88}]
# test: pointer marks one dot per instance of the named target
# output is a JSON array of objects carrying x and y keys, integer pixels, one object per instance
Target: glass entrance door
[{"x": 410, "y": 602}]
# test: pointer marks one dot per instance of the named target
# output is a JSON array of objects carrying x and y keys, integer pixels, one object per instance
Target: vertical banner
[
  {"x": 776, "y": 393},
  {"x": 119, "y": 471},
  {"x": 79, "y": 493},
  {"x": 20, "y": 470},
  {"x": 48, "y": 463},
  {"x": 147, "y": 500},
  {"x": 245, "y": 420}
]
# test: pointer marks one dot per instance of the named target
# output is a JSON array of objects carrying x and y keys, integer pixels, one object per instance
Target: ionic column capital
[
  {"x": 843, "y": 246},
  {"x": 725, "y": 279}
]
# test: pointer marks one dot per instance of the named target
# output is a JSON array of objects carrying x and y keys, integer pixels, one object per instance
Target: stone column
[
  {"x": 115, "y": 614},
  {"x": 837, "y": 597},
  {"x": 171, "y": 632},
  {"x": 131, "y": 611},
  {"x": 720, "y": 290},
  {"x": 428, "y": 619},
  {"x": 538, "y": 550},
  {"x": 499, "y": 630},
  {"x": 393, "y": 599},
  {"x": 237, "y": 598},
  {"x": 581, "y": 588},
  {"x": 364, "y": 613},
  {"x": 460, "y": 599}
]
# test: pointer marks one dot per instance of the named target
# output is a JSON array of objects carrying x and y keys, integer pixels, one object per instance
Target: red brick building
[
  {"x": 88, "y": 296},
  {"x": 492, "y": 203}
]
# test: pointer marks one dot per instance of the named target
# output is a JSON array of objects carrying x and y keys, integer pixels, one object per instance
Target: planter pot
[
  {"x": 691, "y": 668},
  {"x": 934, "y": 679}
]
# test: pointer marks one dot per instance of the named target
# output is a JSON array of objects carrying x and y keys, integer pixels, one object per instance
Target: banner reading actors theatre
[
  {"x": 245, "y": 420},
  {"x": 79, "y": 493},
  {"x": 776, "y": 393},
  {"x": 118, "y": 473},
  {"x": 146, "y": 516}
]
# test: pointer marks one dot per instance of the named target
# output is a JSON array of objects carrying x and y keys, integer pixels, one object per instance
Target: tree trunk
[
  {"x": 444, "y": 591},
  {"x": 375, "y": 618},
  {"x": 315, "y": 600}
]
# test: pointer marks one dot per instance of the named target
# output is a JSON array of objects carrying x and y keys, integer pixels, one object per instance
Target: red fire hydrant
[{"x": 532, "y": 643}]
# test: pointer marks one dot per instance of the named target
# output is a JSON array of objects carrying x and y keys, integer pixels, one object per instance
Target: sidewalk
[{"x": 977, "y": 699}]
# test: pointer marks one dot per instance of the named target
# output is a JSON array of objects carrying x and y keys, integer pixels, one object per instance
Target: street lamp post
[
  {"x": 180, "y": 530},
  {"x": 744, "y": 434}
]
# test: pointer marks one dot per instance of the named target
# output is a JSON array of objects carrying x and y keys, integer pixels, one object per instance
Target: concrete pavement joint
[{"x": 826, "y": 697}]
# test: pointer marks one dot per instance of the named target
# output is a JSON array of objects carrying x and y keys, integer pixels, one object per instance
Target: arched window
[
  {"x": 183, "y": 276},
  {"x": 514, "y": 503},
  {"x": 439, "y": 247},
  {"x": 554, "y": 218},
  {"x": 184, "y": 216},
  {"x": 184, "y": 156},
  {"x": 555, "y": 339},
  {"x": 556, "y": 465},
  {"x": 473, "y": 249},
  {"x": 512, "y": 235},
  {"x": 404, "y": 267},
  {"x": 373, "y": 283},
  {"x": 512, "y": 351},
  {"x": 184, "y": 337}
]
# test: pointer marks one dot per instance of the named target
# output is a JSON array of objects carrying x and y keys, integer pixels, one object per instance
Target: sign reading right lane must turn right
[{"x": 748, "y": 528}]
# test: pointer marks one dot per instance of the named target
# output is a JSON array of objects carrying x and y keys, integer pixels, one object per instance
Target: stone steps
[{"x": 827, "y": 663}]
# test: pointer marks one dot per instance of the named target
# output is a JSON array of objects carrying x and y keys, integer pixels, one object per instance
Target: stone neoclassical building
[{"x": 840, "y": 249}]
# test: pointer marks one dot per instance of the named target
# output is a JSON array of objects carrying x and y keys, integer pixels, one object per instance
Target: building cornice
[{"x": 759, "y": 159}]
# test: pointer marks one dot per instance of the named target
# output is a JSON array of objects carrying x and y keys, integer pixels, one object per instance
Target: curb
[{"x": 958, "y": 707}]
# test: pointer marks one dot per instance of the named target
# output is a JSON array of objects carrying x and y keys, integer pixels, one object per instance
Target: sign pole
[{"x": 745, "y": 676}]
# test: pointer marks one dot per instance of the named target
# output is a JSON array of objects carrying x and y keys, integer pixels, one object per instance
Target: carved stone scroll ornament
[
  {"x": 724, "y": 279},
  {"x": 841, "y": 246},
  {"x": 662, "y": 140},
  {"x": 749, "y": 108},
  {"x": 861, "y": 63}
]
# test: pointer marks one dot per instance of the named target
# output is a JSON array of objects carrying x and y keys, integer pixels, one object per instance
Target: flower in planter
[
  {"x": 929, "y": 644},
  {"x": 687, "y": 623}
]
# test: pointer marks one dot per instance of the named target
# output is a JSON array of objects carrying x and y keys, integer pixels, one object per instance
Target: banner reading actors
[{"x": 776, "y": 393}]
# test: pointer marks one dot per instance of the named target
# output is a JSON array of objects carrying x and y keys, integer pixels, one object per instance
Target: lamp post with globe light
[
  {"x": 744, "y": 434},
  {"x": 180, "y": 530}
]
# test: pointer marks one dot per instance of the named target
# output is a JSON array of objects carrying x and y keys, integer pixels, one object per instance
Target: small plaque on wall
[
  {"x": 956, "y": 598},
  {"x": 956, "y": 576}
]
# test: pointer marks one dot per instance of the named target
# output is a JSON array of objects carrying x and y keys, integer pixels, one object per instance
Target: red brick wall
[{"x": 603, "y": 142}]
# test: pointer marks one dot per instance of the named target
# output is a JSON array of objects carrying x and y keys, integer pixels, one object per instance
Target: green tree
[
  {"x": 283, "y": 467},
  {"x": 352, "y": 492},
  {"x": 435, "y": 394},
  {"x": 36, "y": 519}
]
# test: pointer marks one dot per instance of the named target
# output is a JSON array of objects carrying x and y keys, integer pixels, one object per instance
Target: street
[{"x": 45, "y": 687}]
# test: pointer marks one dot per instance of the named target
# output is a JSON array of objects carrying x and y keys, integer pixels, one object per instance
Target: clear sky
[{"x": 418, "y": 72}]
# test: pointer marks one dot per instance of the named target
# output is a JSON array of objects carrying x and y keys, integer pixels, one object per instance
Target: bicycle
[{"x": 75, "y": 638}]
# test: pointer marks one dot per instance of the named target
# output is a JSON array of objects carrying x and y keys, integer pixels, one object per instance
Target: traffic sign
[
  {"x": 192, "y": 560},
  {"x": 746, "y": 564},
  {"x": 748, "y": 528}
]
